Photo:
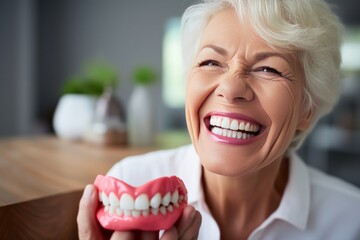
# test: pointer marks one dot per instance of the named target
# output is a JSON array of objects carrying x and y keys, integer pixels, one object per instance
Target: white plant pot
[
  {"x": 141, "y": 122},
  {"x": 74, "y": 115}
]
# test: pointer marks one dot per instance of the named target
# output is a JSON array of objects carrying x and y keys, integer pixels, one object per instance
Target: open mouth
[
  {"x": 153, "y": 206},
  {"x": 232, "y": 128}
]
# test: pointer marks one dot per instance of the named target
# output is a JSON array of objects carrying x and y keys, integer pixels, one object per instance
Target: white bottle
[{"x": 140, "y": 113}]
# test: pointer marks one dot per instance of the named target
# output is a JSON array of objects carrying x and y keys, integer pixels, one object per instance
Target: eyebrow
[
  {"x": 263, "y": 55},
  {"x": 257, "y": 57},
  {"x": 217, "y": 49}
]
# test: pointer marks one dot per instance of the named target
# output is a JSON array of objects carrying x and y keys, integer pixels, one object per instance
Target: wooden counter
[{"x": 41, "y": 182}]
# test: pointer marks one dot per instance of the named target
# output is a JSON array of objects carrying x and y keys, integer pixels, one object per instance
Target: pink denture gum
[{"x": 154, "y": 206}]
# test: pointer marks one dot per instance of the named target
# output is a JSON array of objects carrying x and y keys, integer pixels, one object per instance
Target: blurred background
[{"x": 44, "y": 43}]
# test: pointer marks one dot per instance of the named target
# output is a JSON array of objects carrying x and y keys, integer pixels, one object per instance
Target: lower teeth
[{"x": 230, "y": 133}]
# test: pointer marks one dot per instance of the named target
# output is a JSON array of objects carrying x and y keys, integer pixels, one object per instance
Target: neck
[{"x": 241, "y": 204}]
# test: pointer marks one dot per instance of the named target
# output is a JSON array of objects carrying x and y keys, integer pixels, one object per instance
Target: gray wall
[
  {"x": 17, "y": 67},
  {"x": 124, "y": 33},
  {"x": 43, "y": 42}
]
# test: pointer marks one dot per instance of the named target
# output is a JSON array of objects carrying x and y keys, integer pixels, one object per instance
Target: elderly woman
[{"x": 260, "y": 74}]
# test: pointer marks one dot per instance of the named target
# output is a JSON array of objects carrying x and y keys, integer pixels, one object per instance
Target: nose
[{"x": 234, "y": 88}]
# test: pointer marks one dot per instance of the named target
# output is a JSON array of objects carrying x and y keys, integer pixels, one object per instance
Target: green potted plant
[
  {"x": 141, "y": 122},
  {"x": 76, "y": 107},
  {"x": 144, "y": 75},
  {"x": 97, "y": 77}
]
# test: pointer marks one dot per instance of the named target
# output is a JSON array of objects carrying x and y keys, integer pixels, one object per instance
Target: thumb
[{"x": 87, "y": 223}]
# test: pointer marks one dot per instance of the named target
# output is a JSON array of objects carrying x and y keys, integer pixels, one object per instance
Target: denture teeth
[
  {"x": 126, "y": 202},
  {"x": 175, "y": 196},
  {"x": 155, "y": 201},
  {"x": 119, "y": 211},
  {"x": 145, "y": 212},
  {"x": 142, "y": 202},
  {"x": 127, "y": 213},
  {"x": 163, "y": 210},
  {"x": 135, "y": 213},
  {"x": 166, "y": 199},
  {"x": 111, "y": 210},
  {"x": 100, "y": 196},
  {"x": 141, "y": 206},
  {"x": 154, "y": 211},
  {"x": 105, "y": 199},
  {"x": 113, "y": 200},
  {"x": 170, "y": 208}
]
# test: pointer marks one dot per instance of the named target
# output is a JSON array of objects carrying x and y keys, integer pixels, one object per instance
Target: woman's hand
[{"x": 187, "y": 227}]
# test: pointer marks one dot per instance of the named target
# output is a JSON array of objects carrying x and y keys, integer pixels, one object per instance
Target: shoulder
[
  {"x": 330, "y": 185},
  {"x": 334, "y": 201},
  {"x": 139, "y": 169}
]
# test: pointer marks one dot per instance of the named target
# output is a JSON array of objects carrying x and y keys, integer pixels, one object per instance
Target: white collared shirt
[{"x": 314, "y": 206}]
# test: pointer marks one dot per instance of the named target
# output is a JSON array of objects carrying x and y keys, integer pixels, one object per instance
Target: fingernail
[{"x": 88, "y": 191}]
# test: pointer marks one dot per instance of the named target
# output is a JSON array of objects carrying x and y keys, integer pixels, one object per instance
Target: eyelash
[
  {"x": 211, "y": 63},
  {"x": 207, "y": 62},
  {"x": 270, "y": 70}
]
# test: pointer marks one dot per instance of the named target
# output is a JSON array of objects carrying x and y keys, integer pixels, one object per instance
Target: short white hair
[{"x": 307, "y": 28}]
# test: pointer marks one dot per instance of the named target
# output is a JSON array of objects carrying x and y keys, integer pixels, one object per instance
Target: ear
[{"x": 305, "y": 120}]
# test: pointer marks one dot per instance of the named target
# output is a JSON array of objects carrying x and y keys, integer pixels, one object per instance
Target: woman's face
[{"x": 243, "y": 102}]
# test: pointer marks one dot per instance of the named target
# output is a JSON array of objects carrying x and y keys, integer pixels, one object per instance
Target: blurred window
[
  {"x": 173, "y": 82},
  {"x": 351, "y": 51}
]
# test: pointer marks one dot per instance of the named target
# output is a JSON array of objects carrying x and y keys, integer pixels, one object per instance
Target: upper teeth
[
  {"x": 233, "y": 124},
  {"x": 128, "y": 206}
]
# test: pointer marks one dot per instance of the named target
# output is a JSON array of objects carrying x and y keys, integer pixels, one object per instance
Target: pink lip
[
  {"x": 228, "y": 140},
  {"x": 149, "y": 222}
]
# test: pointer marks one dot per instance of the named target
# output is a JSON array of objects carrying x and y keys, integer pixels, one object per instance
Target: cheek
[
  {"x": 197, "y": 91},
  {"x": 280, "y": 100},
  {"x": 282, "y": 104}
]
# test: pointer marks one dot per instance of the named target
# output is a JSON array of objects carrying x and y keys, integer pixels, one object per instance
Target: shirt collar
[
  {"x": 190, "y": 173},
  {"x": 294, "y": 207},
  {"x": 295, "y": 203}
]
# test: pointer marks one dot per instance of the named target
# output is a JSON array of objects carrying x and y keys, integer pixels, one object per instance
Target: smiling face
[{"x": 243, "y": 102}]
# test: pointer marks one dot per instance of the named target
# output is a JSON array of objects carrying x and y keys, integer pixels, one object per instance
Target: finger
[
  {"x": 134, "y": 235},
  {"x": 185, "y": 220},
  {"x": 124, "y": 235},
  {"x": 86, "y": 220},
  {"x": 192, "y": 232},
  {"x": 149, "y": 235},
  {"x": 171, "y": 234}
]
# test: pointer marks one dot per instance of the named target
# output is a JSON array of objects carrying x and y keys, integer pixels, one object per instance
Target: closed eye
[
  {"x": 269, "y": 70},
  {"x": 209, "y": 63}
]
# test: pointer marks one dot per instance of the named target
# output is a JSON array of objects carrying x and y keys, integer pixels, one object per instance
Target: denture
[{"x": 154, "y": 206}]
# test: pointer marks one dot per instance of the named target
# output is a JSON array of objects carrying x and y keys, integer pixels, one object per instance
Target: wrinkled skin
[{"x": 236, "y": 76}]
